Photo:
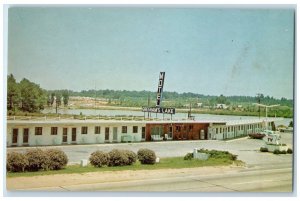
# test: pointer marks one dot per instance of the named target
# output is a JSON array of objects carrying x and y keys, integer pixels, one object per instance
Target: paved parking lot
[{"x": 246, "y": 149}]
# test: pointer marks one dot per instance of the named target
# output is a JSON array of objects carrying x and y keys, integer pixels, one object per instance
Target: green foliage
[
  {"x": 118, "y": 158},
  {"x": 131, "y": 156},
  {"x": 283, "y": 152},
  {"x": 291, "y": 124},
  {"x": 264, "y": 149},
  {"x": 57, "y": 159},
  {"x": 99, "y": 159},
  {"x": 13, "y": 93},
  {"x": 165, "y": 163},
  {"x": 219, "y": 154},
  {"x": 146, "y": 156},
  {"x": 25, "y": 96},
  {"x": 188, "y": 156},
  {"x": 276, "y": 151},
  {"x": 289, "y": 151},
  {"x": 37, "y": 160},
  {"x": 16, "y": 162}
]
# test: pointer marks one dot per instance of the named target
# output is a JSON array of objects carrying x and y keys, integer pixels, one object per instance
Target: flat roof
[{"x": 97, "y": 121}]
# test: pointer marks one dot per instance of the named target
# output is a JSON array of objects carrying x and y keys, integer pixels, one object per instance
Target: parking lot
[{"x": 246, "y": 149}]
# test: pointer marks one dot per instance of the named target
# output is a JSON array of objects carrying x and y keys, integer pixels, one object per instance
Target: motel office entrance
[{"x": 177, "y": 131}]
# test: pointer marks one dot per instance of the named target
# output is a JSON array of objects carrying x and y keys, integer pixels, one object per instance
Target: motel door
[
  {"x": 143, "y": 133},
  {"x": 73, "y": 134},
  {"x": 115, "y": 134},
  {"x": 106, "y": 133},
  {"x": 25, "y": 135},
  {"x": 65, "y": 135},
  {"x": 15, "y": 136}
]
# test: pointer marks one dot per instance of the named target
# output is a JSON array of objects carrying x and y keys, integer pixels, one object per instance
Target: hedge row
[
  {"x": 35, "y": 160},
  {"x": 289, "y": 151},
  {"x": 118, "y": 157}
]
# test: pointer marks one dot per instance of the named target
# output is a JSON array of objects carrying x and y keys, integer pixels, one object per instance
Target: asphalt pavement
[{"x": 247, "y": 149}]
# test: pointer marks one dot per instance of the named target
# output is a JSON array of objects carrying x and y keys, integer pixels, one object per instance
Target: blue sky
[{"x": 202, "y": 50}]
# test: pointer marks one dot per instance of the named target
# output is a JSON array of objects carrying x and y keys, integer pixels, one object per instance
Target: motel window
[
  {"x": 135, "y": 129},
  {"x": 190, "y": 127},
  {"x": 38, "y": 130},
  {"x": 124, "y": 129},
  {"x": 217, "y": 130},
  {"x": 53, "y": 130},
  {"x": 97, "y": 129},
  {"x": 84, "y": 130}
]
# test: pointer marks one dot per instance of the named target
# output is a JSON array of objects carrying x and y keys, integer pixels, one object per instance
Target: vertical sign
[{"x": 160, "y": 88}]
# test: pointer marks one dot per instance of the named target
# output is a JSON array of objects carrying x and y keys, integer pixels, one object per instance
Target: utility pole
[
  {"x": 258, "y": 100},
  {"x": 148, "y": 104}
]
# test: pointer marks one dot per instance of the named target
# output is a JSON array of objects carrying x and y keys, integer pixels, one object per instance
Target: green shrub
[
  {"x": 283, "y": 152},
  {"x": 37, "y": 160},
  {"x": 99, "y": 159},
  {"x": 146, "y": 156},
  {"x": 117, "y": 158},
  {"x": 131, "y": 157},
  {"x": 57, "y": 159},
  {"x": 276, "y": 151},
  {"x": 188, "y": 156},
  {"x": 219, "y": 154},
  {"x": 289, "y": 151},
  {"x": 16, "y": 162},
  {"x": 264, "y": 149}
]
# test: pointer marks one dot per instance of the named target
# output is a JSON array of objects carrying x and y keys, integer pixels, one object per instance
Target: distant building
[
  {"x": 221, "y": 106},
  {"x": 199, "y": 104}
]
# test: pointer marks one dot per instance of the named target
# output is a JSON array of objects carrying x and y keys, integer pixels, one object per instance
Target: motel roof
[{"x": 130, "y": 122}]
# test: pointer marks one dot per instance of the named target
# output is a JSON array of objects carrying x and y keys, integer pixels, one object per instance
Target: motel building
[{"x": 45, "y": 132}]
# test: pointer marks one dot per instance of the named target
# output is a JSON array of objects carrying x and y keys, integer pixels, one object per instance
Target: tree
[
  {"x": 221, "y": 99},
  {"x": 58, "y": 99},
  {"x": 33, "y": 98},
  {"x": 52, "y": 98},
  {"x": 65, "y": 96},
  {"x": 13, "y": 93}
]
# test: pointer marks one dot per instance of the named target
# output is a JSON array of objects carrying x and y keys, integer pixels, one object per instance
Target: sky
[{"x": 210, "y": 51}]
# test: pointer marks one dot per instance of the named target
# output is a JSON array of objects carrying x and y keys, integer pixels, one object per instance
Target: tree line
[{"x": 27, "y": 96}]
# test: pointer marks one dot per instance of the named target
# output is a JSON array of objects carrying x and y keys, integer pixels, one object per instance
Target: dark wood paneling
[{"x": 181, "y": 131}]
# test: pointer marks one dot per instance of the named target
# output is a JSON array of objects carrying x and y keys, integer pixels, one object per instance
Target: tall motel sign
[{"x": 159, "y": 108}]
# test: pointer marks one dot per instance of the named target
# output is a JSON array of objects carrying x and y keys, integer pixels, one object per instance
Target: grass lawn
[{"x": 165, "y": 163}]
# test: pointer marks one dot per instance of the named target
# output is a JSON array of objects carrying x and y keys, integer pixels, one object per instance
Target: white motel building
[{"x": 45, "y": 132}]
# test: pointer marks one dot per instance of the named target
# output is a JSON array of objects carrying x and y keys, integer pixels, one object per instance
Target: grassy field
[{"x": 165, "y": 163}]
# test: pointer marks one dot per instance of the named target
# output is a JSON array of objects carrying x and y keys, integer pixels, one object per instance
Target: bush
[
  {"x": 188, "y": 156},
  {"x": 264, "y": 149},
  {"x": 118, "y": 158},
  {"x": 131, "y": 157},
  {"x": 289, "y": 151},
  {"x": 146, "y": 156},
  {"x": 219, "y": 154},
  {"x": 99, "y": 159},
  {"x": 16, "y": 162},
  {"x": 276, "y": 151},
  {"x": 57, "y": 159},
  {"x": 283, "y": 152},
  {"x": 37, "y": 159}
]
